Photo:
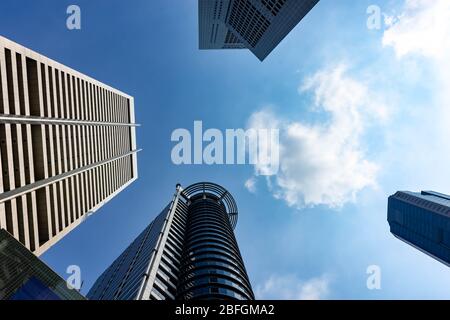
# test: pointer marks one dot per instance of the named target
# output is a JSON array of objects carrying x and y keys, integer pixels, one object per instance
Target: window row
[
  {"x": 36, "y": 89},
  {"x": 37, "y": 216}
]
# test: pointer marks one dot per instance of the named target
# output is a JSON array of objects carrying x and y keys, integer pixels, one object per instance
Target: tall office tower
[
  {"x": 24, "y": 277},
  {"x": 423, "y": 221},
  {"x": 188, "y": 252},
  {"x": 258, "y": 25},
  {"x": 67, "y": 146}
]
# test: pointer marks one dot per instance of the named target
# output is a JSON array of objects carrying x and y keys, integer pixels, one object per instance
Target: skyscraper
[
  {"x": 423, "y": 221},
  {"x": 24, "y": 277},
  {"x": 188, "y": 252},
  {"x": 67, "y": 146},
  {"x": 258, "y": 25}
]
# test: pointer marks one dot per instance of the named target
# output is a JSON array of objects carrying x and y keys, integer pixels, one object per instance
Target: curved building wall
[
  {"x": 188, "y": 252},
  {"x": 211, "y": 265}
]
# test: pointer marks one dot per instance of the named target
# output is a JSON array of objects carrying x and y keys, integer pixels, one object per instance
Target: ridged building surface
[
  {"x": 188, "y": 252},
  {"x": 423, "y": 221},
  {"x": 23, "y": 276},
  {"x": 67, "y": 146},
  {"x": 258, "y": 25}
]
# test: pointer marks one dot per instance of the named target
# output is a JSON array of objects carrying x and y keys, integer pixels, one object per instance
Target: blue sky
[{"x": 362, "y": 113}]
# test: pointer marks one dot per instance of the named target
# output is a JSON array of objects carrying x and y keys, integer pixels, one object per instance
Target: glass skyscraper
[
  {"x": 24, "y": 277},
  {"x": 188, "y": 252},
  {"x": 258, "y": 25},
  {"x": 423, "y": 221}
]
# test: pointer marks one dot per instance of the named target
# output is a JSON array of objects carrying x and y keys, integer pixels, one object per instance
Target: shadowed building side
[
  {"x": 423, "y": 221},
  {"x": 188, "y": 252},
  {"x": 258, "y": 25},
  {"x": 211, "y": 265},
  {"x": 24, "y": 277}
]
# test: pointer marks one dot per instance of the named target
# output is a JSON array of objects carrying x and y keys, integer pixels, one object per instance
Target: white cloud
[
  {"x": 290, "y": 287},
  {"x": 422, "y": 28},
  {"x": 324, "y": 163},
  {"x": 250, "y": 184},
  {"x": 421, "y": 35},
  {"x": 389, "y": 20},
  {"x": 267, "y": 151}
]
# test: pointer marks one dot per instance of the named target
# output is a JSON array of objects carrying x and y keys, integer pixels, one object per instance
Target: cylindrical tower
[{"x": 211, "y": 263}]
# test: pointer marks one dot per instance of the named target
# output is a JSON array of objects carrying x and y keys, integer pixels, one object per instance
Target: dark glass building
[
  {"x": 257, "y": 25},
  {"x": 423, "y": 221},
  {"x": 188, "y": 252},
  {"x": 24, "y": 277}
]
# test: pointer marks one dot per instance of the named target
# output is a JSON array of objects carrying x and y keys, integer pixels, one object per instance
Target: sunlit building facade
[{"x": 67, "y": 146}]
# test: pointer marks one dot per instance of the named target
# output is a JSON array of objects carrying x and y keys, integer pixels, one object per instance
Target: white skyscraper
[{"x": 67, "y": 146}]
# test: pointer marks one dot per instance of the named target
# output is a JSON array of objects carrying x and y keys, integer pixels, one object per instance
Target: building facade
[
  {"x": 258, "y": 25},
  {"x": 67, "y": 146},
  {"x": 188, "y": 252},
  {"x": 423, "y": 221},
  {"x": 23, "y": 276}
]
